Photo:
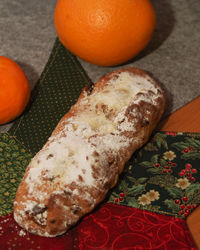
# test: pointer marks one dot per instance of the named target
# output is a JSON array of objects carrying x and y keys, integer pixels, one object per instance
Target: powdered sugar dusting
[{"x": 64, "y": 158}]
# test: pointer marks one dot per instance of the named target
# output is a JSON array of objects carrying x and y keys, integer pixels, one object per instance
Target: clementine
[
  {"x": 14, "y": 90},
  {"x": 105, "y": 32}
]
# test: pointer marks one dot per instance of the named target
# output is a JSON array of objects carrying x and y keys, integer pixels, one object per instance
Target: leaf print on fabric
[
  {"x": 193, "y": 191},
  {"x": 191, "y": 155},
  {"x": 141, "y": 180},
  {"x": 174, "y": 192},
  {"x": 193, "y": 142},
  {"x": 190, "y": 148},
  {"x": 172, "y": 205},
  {"x": 160, "y": 140},
  {"x": 154, "y": 158},
  {"x": 161, "y": 180},
  {"x": 137, "y": 189},
  {"x": 150, "y": 147},
  {"x": 181, "y": 145},
  {"x": 193, "y": 187},
  {"x": 132, "y": 202}
]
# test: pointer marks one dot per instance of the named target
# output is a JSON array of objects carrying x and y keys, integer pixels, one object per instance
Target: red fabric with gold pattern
[{"x": 109, "y": 227}]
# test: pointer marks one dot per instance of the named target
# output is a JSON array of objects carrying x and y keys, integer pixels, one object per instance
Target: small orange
[
  {"x": 105, "y": 32},
  {"x": 14, "y": 90}
]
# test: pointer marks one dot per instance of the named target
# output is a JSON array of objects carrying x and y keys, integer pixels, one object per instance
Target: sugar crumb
[{"x": 22, "y": 232}]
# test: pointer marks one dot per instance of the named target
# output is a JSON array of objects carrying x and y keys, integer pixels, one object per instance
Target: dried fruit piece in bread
[{"x": 87, "y": 151}]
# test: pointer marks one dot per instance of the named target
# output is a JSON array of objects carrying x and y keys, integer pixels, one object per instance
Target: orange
[
  {"x": 105, "y": 32},
  {"x": 14, "y": 90}
]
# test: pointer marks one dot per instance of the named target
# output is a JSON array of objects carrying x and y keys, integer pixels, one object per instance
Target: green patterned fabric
[
  {"x": 58, "y": 88},
  {"x": 163, "y": 176},
  {"x": 13, "y": 161}
]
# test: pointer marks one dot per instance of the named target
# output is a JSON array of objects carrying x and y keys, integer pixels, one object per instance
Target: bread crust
[{"x": 83, "y": 158}]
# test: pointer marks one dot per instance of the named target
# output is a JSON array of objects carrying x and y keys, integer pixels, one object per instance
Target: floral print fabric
[{"x": 163, "y": 176}]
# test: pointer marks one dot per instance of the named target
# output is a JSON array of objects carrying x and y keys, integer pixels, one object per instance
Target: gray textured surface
[{"x": 27, "y": 35}]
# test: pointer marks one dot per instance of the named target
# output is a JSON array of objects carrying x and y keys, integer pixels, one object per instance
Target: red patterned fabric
[
  {"x": 109, "y": 227},
  {"x": 119, "y": 227}
]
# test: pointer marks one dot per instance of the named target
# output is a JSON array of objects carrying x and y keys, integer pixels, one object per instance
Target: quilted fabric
[{"x": 146, "y": 210}]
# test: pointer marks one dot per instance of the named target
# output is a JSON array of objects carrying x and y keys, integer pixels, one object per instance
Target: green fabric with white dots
[{"x": 57, "y": 90}]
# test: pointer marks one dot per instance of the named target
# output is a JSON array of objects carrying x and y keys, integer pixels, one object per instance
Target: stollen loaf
[{"x": 87, "y": 151}]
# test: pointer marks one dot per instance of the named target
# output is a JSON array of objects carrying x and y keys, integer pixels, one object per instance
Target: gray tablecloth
[{"x": 27, "y": 35}]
